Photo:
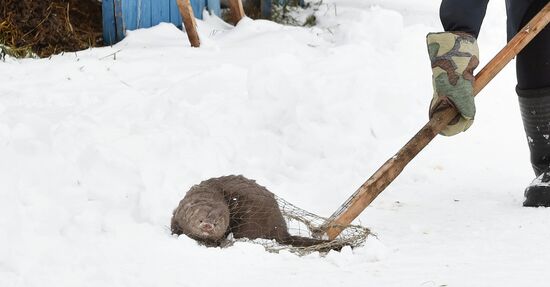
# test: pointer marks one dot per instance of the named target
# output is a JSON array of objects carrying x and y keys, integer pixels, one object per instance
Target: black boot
[{"x": 535, "y": 112}]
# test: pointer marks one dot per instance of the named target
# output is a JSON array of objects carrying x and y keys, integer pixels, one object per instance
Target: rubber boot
[{"x": 535, "y": 112}]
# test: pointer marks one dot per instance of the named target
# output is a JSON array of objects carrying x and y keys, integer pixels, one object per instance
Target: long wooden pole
[
  {"x": 393, "y": 167},
  {"x": 236, "y": 7},
  {"x": 189, "y": 23}
]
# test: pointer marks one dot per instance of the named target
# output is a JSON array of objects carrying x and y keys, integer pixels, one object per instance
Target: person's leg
[
  {"x": 533, "y": 63},
  {"x": 535, "y": 112},
  {"x": 533, "y": 89}
]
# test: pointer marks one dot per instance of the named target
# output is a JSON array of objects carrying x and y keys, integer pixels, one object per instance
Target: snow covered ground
[{"x": 99, "y": 146}]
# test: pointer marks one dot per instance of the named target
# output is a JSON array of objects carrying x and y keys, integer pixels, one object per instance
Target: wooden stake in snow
[
  {"x": 236, "y": 7},
  {"x": 393, "y": 167},
  {"x": 189, "y": 22}
]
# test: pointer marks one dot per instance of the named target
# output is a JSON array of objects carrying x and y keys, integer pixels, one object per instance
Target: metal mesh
[
  {"x": 255, "y": 213},
  {"x": 306, "y": 224}
]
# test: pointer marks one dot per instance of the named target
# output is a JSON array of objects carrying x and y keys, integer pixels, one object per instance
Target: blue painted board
[
  {"x": 164, "y": 10},
  {"x": 119, "y": 20},
  {"x": 155, "y": 13},
  {"x": 122, "y": 15},
  {"x": 175, "y": 15},
  {"x": 109, "y": 33},
  {"x": 144, "y": 18},
  {"x": 198, "y": 7},
  {"x": 130, "y": 15},
  {"x": 160, "y": 11}
]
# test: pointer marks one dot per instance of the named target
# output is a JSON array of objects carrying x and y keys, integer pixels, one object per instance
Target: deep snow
[{"x": 99, "y": 146}]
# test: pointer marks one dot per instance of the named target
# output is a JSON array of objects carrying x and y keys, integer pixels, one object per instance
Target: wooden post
[
  {"x": 189, "y": 22},
  {"x": 236, "y": 7},
  {"x": 266, "y": 8},
  {"x": 393, "y": 167}
]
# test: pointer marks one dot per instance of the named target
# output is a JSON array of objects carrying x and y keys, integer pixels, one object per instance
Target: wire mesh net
[{"x": 303, "y": 223}]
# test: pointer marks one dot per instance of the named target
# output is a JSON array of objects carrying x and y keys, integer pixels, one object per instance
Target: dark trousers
[{"x": 533, "y": 63}]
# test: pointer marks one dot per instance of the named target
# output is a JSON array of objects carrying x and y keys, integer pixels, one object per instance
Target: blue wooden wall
[{"x": 122, "y": 15}]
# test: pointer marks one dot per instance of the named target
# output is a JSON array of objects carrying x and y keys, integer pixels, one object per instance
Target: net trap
[{"x": 221, "y": 211}]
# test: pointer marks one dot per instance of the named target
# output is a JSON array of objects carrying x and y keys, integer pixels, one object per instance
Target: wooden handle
[
  {"x": 393, "y": 167},
  {"x": 236, "y": 7},
  {"x": 189, "y": 23}
]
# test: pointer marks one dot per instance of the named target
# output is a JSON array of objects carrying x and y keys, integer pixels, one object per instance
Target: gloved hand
[{"x": 454, "y": 56}]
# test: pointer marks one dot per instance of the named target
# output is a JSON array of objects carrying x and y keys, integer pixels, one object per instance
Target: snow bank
[{"x": 99, "y": 146}]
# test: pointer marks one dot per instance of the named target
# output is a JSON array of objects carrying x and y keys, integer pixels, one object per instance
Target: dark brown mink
[{"x": 216, "y": 207}]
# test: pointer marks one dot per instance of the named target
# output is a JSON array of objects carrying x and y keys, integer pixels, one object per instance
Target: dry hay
[{"x": 48, "y": 27}]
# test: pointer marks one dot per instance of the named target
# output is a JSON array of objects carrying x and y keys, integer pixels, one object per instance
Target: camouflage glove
[{"x": 454, "y": 56}]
